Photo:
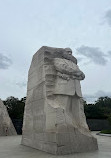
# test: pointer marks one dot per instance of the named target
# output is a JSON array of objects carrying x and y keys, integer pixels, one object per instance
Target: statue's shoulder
[
  {"x": 58, "y": 60},
  {"x": 62, "y": 60}
]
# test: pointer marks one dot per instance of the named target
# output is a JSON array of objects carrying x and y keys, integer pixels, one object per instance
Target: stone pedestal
[
  {"x": 6, "y": 125},
  {"x": 54, "y": 119}
]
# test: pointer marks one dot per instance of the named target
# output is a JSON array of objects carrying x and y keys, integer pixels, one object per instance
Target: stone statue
[
  {"x": 54, "y": 119},
  {"x": 6, "y": 125}
]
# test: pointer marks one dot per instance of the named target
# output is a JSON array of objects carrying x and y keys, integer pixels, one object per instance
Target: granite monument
[{"x": 54, "y": 119}]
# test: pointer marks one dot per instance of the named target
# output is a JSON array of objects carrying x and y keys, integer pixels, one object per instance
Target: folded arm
[{"x": 70, "y": 69}]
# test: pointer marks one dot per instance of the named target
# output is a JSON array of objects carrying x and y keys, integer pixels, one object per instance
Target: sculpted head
[
  {"x": 68, "y": 55},
  {"x": 68, "y": 50},
  {"x": 51, "y": 53}
]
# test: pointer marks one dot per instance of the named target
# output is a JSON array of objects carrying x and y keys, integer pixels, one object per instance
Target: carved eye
[{"x": 70, "y": 53}]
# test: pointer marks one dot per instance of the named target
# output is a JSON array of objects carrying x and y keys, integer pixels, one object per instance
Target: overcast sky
[{"x": 82, "y": 25}]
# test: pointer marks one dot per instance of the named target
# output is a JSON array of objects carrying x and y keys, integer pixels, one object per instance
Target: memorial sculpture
[
  {"x": 54, "y": 119},
  {"x": 6, "y": 125}
]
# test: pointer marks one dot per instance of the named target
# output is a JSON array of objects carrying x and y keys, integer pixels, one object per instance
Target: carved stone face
[{"x": 68, "y": 50}]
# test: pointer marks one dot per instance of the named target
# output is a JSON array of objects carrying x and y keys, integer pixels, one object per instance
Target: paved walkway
[{"x": 10, "y": 148}]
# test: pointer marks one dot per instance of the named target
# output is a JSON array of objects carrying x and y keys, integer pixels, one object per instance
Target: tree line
[
  {"x": 101, "y": 109},
  {"x": 15, "y": 107}
]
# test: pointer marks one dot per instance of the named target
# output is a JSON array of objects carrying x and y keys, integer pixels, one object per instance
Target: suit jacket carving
[{"x": 68, "y": 77}]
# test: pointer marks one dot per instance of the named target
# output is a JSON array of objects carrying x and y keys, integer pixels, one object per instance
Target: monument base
[{"x": 62, "y": 143}]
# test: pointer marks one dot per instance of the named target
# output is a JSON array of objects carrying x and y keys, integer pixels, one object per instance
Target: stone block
[{"x": 54, "y": 119}]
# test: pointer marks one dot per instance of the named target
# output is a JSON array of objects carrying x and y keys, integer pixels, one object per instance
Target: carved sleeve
[
  {"x": 67, "y": 67},
  {"x": 63, "y": 67}
]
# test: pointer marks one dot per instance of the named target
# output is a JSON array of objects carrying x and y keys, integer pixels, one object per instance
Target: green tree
[
  {"x": 104, "y": 103},
  {"x": 109, "y": 119},
  {"x": 99, "y": 110},
  {"x": 15, "y": 107}
]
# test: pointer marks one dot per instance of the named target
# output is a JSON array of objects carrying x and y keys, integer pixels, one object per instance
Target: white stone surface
[
  {"x": 6, "y": 125},
  {"x": 54, "y": 119}
]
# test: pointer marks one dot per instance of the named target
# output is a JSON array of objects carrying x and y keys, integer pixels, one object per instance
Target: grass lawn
[{"x": 106, "y": 131}]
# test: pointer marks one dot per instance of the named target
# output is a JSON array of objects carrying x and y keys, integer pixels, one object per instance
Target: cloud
[
  {"x": 21, "y": 84},
  {"x": 94, "y": 54},
  {"x": 108, "y": 17},
  {"x": 79, "y": 59},
  {"x": 109, "y": 53},
  {"x": 92, "y": 98},
  {"x": 5, "y": 61}
]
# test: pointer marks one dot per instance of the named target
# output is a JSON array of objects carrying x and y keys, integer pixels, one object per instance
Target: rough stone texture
[
  {"x": 6, "y": 125},
  {"x": 54, "y": 119}
]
